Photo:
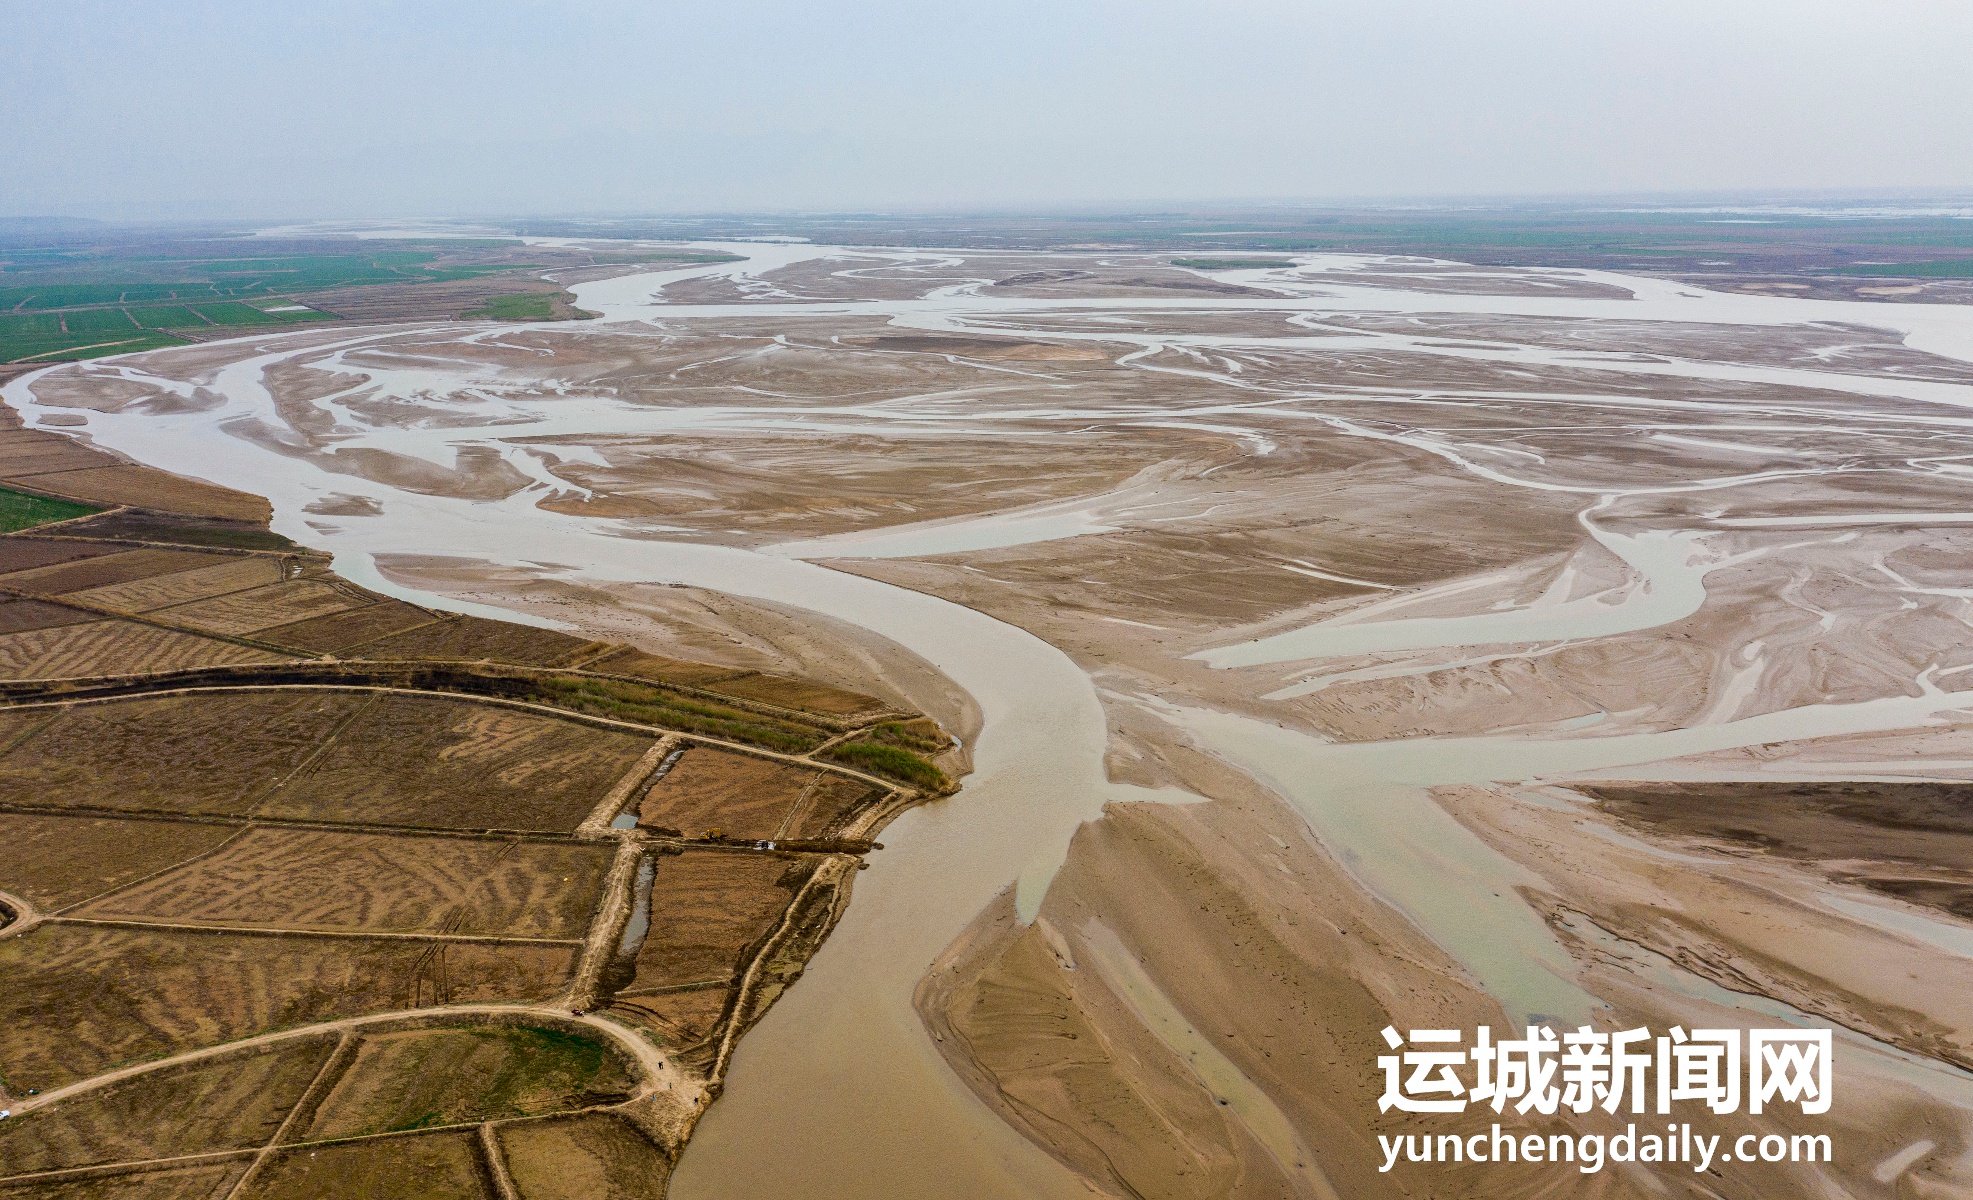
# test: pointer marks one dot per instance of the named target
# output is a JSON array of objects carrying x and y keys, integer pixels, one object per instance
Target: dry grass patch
[
  {"x": 737, "y": 794},
  {"x": 202, "y": 1181},
  {"x": 231, "y": 1103},
  {"x": 263, "y": 607},
  {"x": 594, "y": 1156},
  {"x": 350, "y": 629},
  {"x": 310, "y": 879},
  {"x": 183, "y": 587},
  {"x": 424, "y": 1078},
  {"x": 113, "y": 647},
  {"x": 21, "y": 616},
  {"x": 798, "y": 694},
  {"x": 106, "y": 570},
  {"x": 83, "y": 999},
  {"x": 56, "y": 861},
  {"x": 473, "y": 639},
  {"x": 628, "y": 661},
  {"x": 436, "y": 1166},
  {"x": 455, "y": 764},
  {"x": 217, "y": 753}
]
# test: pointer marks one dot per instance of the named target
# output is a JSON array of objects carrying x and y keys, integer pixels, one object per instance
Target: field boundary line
[
  {"x": 165, "y": 870},
  {"x": 538, "y": 837},
  {"x": 168, "y": 626},
  {"x": 581, "y": 718},
  {"x": 749, "y": 980},
  {"x": 597, "y": 823},
  {"x": 606, "y": 926},
  {"x": 326, "y": 1077},
  {"x": 496, "y": 1163},
  {"x": 656, "y": 1068},
  {"x": 129, "y": 1166},
  {"x": 272, "y": 931}
]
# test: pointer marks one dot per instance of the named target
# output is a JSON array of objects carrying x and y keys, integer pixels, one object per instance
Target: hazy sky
[{"x": 131, "y": 108}]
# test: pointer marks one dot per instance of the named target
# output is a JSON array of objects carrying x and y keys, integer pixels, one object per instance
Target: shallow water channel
[{"x": 839, "y": 1091}]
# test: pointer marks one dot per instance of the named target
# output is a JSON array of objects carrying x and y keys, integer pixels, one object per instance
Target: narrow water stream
[{"x": 840, "y": 1092}]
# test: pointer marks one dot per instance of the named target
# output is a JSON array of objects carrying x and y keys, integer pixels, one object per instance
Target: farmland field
[
  {"x": 594, "y": 1156},
  {"x": 171, "y": 793},
  {"x": 98, "y": 320},
  {"x": 714, "y": 906},
  {"x": 533, "y": 306},
  {"x": 82, "y": 999},
  {"x": 114, "y": 647},
  {"x": 219, "y": 754},
  {"x": 19, "y": 510},
  {"x": 743, "y": 796},
  {"x": 434, "y": 1166},
  {"x": 229, "y": 1103},
  {"x": 53, "y": 861},
  {"x": 60, "y": 578},
  {"x": 182, "y": 585},
  {"x": 453, "y": 764},
  {"x": 421, "y": 1078},
  {"x": 350, "y": 629},
  {"x": 263, "y": 607},
  {"x": 317, "y": 880}
]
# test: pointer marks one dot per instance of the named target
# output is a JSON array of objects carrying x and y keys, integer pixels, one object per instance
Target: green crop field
[
  {"x": 172, "y": 316},
  {"x": 98, "y": 320},
  {"x": 233, "y": 313},
  {"x": 22, "y": 347},
  {"x": 528, "y": 306},
  {"x": 19, "y": 510},
  {"x": 20, "y": 325}
]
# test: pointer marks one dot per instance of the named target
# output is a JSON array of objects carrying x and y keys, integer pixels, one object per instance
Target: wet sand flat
[{"x": 1403, "y": 614}]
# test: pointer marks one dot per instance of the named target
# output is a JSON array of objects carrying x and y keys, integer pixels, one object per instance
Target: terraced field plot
[
  {"x": 56, "y": 861},
  {"x": 311, "y": 879},
  {"x": 421, "y": 1078},
  {"x": 231, "y": 1103},
  {"x": 82, "y": 999},
  {"x": 750, "y": 798},
  {"x": 217, "y": 754},
  {"x": 453, "y": 764}
]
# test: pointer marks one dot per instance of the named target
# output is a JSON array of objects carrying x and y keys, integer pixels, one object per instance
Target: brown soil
[
  {"x": 594, "y": 1156},
  {"x": 351, "y": 630},
  {"x": 432, "y": 1166},
  {"x": 737, "y": 794},
  {"x": 236, "y": 1102},
  {"x": 313, "y": 880},
  {"x": 454, "y": 1076},
  {"x": 475, "y": 638},
  {"x": 56, "y": 861},
  {"x": 453, "y": 764},
  {"x": 82, "y": 999},
  {"x": 208, "y": 754}
]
